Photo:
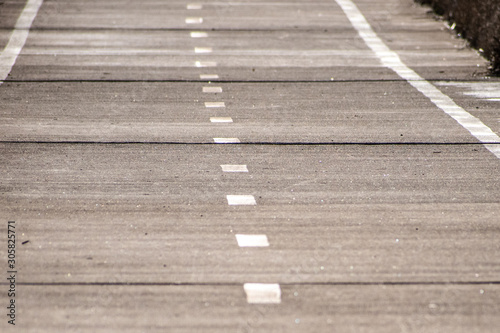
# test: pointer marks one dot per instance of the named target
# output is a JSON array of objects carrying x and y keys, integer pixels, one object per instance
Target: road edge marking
[
  {"x": 391, "y": 60},
  {"x": 18, "y": 38}
]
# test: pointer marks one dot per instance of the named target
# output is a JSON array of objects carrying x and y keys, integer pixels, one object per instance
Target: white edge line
[
  {"x": 390, "y": 59},
  {"x": 18, "y": 38}
]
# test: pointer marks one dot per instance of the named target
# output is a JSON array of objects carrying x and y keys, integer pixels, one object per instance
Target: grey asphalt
[{"x": 381, "y": 211}]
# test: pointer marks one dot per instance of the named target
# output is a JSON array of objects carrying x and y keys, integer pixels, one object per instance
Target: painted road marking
[
  {"x": 194, "y": 20},
  {"x": 390, "y": 59},
  {"x": 234, "y": 168},
  {"x": 18, "y": 38},
  {"x": 215, "y": 104},
  {"x": 226, "y": 140},
  {"x": 202, "y": 50},
  {"x": 205, "y": 64},
  {"x": 194, "y": 6},
  {"x": 262, "y": 293},
  {"x": 212, "y": 90},
  {"x": 221, "y": 119},
  {"x": 252, "y": 240},
  {"x": 198, "y": 34},
  {"x": 241, "y": 200},
  {"x": 209, "y": 77},
  {"x": 489, "y": 91}
]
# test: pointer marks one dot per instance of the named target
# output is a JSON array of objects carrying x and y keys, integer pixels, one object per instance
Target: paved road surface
[{"x": 360, "y": 192}]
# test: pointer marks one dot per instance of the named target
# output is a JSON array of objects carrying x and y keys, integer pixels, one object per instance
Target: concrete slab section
[
  {"x": 263, "y": 112},
  {"x": 335, "y": 214},
  {"x": 456, "y": 308},
  {"x": 158, "y": 14}
]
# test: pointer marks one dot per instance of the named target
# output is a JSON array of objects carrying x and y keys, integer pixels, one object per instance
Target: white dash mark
[
  {"x": 194, "y": 6},
  {"x": 252, "y": 240},
  {"x": 215, "y": 104},
  {"x": 234, "y": 168},
  {"x": 221, "y": 119},
  {"x": 194, "y": 20},
  {"x": 203, "y": 50},
  {"x": 18, "y": 38},
  {"x": 390, "y": 59},
  {"x": 226, "y": 140},
  {"x": 241, "y": 200},
  {"x": 213, "y": 90},
  {"x": 198, "y": 34},
  {"x": 262, "y": 293},
  {"x": 205, "y": 64},
  {"x": 209, "y": 77}
]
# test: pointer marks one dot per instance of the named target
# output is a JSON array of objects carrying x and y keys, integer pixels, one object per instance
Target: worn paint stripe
[
  {"x": 241, "y": 200},
  {"x": 221, "y": 119},
  {"x": 252, "y": 240},
  {"x": 234, "y": 168},
  {"x": 199, "y": 34},
  {"x": 226, "y": 140},
  {"x": 192, "y": 6},
  {"x": 215, "y": 104},
  {"x": 263, "y": 293},
  {"x": 194, "y": 20},
  {"x": 205, "y": 64},
  {"x": 18, "y": 38},
  {"x": 390, "y": 59},
  {"x": 203, "y": 50},
  {"x": 213, "y": 90},
  {"x": 209, "y": 77}
]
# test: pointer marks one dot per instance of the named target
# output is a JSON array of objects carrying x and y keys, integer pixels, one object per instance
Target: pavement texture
[{"x": 376, "y": 208}]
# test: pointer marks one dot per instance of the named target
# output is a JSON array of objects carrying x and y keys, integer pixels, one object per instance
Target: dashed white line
[
  {"x": 213, "y": 90},
  {"x": 252, "y": 240},
  {"x": 203, "y": 50},
  {"x": 192, "y": 6},
  {"x": 194, "y": 20},
  {"x": 209, "y": 77},
  {"x": 234, "y": 168},
  {"x": 199, "y": 34},
  {"x": 262, "y": 293},
  {"x": 18, "y": 38},
  {"x": 215, "y": 104},
  {"x": 390, "y": 59},
  {"x": 221, "y": 119},
  {"x": 241, "y": 200},
  {"x": 226, "y": 140},
  {"x": 205, "y": 64}
]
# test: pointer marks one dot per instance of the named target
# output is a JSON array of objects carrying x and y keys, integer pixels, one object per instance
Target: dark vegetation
[{"x": 476, "y": 20}]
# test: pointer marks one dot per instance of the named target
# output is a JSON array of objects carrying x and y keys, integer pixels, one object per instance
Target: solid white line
[
  {"x": 205, "y": 64},
  {"x": 213, "y": 90},
  {"x": 234, "y": 168},
  {"x": 18, "y": 38},
  {"x": 261, "y": 293},
  {"x": 198, "y": 34},
  {"x": 194, "y": 20},
  {"x": 221, "y": 119},
  {"x": 215, "y": 104},
  {"x": 203, "y": 50},
  {"x": 252, "y": 240},
  {"x": 209, "y": 77},
  {"x": 226, "y": 140},
  {"x": 241, "y": 200},
  {"x": 390, "y": 59}
]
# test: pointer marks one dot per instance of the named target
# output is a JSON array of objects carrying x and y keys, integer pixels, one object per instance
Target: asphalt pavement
[{"x": 250, "y": 166}]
